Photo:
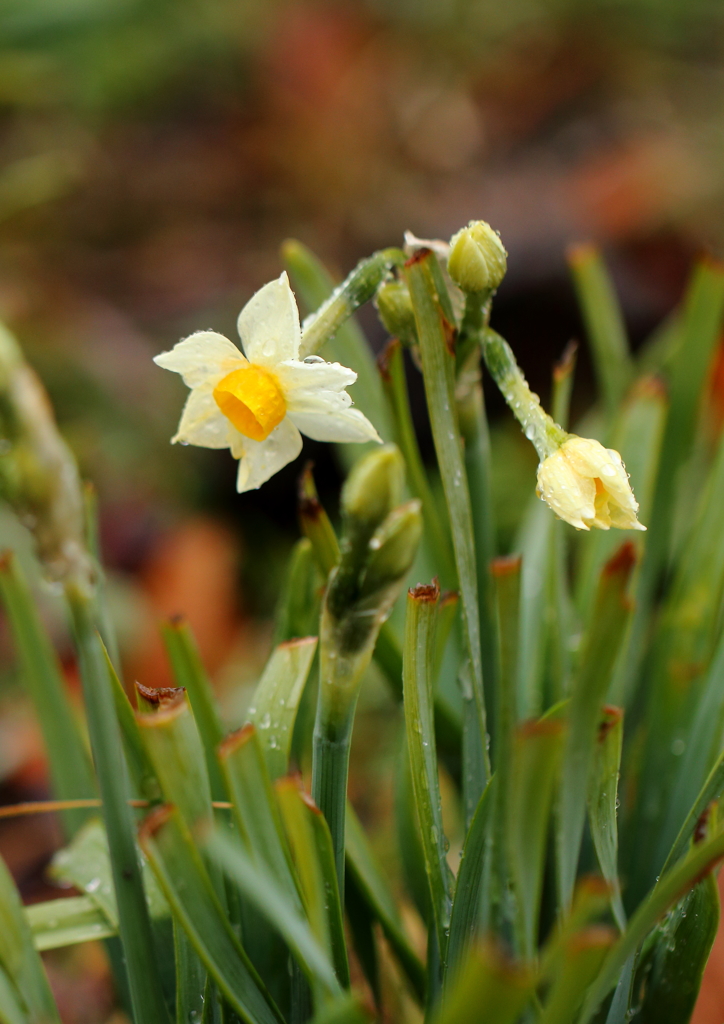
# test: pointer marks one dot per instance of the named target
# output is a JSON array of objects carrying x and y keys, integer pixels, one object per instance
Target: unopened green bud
[
  {"x": 394, "y": 546},
  {"x": 374, "y": 487},
  {"x": 394, "y": 306},
  {"x": 477, "y": 260}
]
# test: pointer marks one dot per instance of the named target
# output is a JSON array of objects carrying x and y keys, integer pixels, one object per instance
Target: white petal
[
  {"x": 328, "y": 424},
  {"x": 314, "y": 376},
  {"x": 201, "y": 358},
  {"x": 202, "y": 422},
  {"x": 269, "y": 324},
  {"x": 262, "y": 459},
  {"x": 317, "y": 403}
]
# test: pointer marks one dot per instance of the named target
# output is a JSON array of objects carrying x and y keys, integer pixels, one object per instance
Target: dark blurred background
[{"x": 155, "y": 153}]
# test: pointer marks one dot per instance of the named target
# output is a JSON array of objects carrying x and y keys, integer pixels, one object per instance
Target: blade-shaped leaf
[
  {"x": 255, "y": 809},
  {"x": 189, "y": 672},
  {"x": 70, "y": 768},
  {"x": 372, "y": 885},
  {"x": 189, "y": 890},
  {"x": 86, "y": 864},
  {"x": 311, "y": 846},
  {"x": 134, "y": 924},
  {"x": 604, "y": 322},
  {"x": 603, "y": 802},
  {"x": 276, "y": 700},
  {"x": 438, "y": 362},
  {"x": 419, "y": 723},
  {"x": 487, "y": 987},
  {"x": 581, "y": 961},
  {"x": 68, "y": 921},
  {"x": 19, "y": 959},
  {"x": 670, "y": 888},
  {"x": 469, "y": 913},
  {"x": 262, "y": 889},
  {"x": 605, "y": 633},
  {"x": 535, "y": 762}
]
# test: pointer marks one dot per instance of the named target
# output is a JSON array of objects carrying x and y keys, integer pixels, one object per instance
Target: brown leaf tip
[
  {"x": 506, "y": 565},
  {"x": 418, "y": 256},
  {"x": 236, "y": 739},
  {"x": 425, "y": 592},
  {"x": 622, "y": 561},
  {"x": 154, "y": 821},
  {"x": 611, "y": 718},
  {"x": 160, "y": 694}
]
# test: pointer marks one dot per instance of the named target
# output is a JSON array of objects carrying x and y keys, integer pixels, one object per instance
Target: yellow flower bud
[
  {"x": 477, "y": 260},
  {"x": 587, "y": 485}
]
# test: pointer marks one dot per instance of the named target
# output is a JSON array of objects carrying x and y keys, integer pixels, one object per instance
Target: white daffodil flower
[
  {"x": 587, "y": 485},
  {"x": 257, "y": 401}
]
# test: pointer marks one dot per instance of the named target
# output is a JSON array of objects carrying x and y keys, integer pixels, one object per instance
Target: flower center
[{"x": 252, "y": 400}]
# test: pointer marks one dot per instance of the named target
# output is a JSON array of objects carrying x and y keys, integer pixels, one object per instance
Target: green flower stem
[
  {"x": 133, "y": 919},
  {"x": 330, "y": 768},
  {"x": 540, "y": 428},
  {"x": 438, "y": 360},
  {"x": 474, "y": 430},
  {"x": 358, "y": 288},
  {"x": 393, "y": 376}
]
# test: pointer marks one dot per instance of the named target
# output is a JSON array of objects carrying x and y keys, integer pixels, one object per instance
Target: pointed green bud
[
  {"x": 374, "y": 487},
  {"x": 394, "y": 306},
  {"x": 394, "y": 546},
  {"x": 477, "y": 260}
]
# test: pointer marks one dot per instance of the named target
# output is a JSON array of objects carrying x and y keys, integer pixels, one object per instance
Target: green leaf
[
  {"x": 373, "y": 888},
  {"x": 86, "y": 864},
  {"x": 188, "y": 888},
  {"x": 297, "y": 611},
  {"x": 603, "y": 803},
  {"x": 476, "y": 439},
  {"x": 438, "y": 362},
  {"x": 408, "y": 839},
  {"x": 189, "y": 672},
  {"x": 667, "y": 891},
  {"x": 19, "y": 959},
  {"x": 67, "y": 922},
  {"x": 469, "y": 910},
  {"x": 191, "y": 978},
  {"x": 316, "y": 525},
  {"x": 11, "y": 1009},
  {"x": 605, "y": 633},
  {"x": 346, "y": 1010},
  {"x": 536, "y": 547},
  {"x": 710, "y": 791},
  {"x": 134, "y": 923},
  {"x": 140, "y": 768},
  {"x": 70, "y": 769},
  {"x": 311, "y": 845},
  {"x": 174, "y": 747},
  {"x": 487, "y": 987},
  {"x": 272, "y": 901},
  {"x": 678, "y": 956},
  {"x": 437, "y": 531},
  {"x": 276, "y": 700},
  {"x": 420, "y": 730},
  {"x": 255, "y": 811},
  {"x": 582, "y": 958},
  {"x": 534, "y": 771},
  {"x": 604, "y": 323}
]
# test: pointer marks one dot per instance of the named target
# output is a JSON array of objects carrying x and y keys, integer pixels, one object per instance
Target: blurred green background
[{"x": 155, "y": 153}]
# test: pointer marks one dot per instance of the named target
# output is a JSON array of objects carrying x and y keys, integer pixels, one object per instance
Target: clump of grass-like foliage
[{"x": 573, "y": 691}]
